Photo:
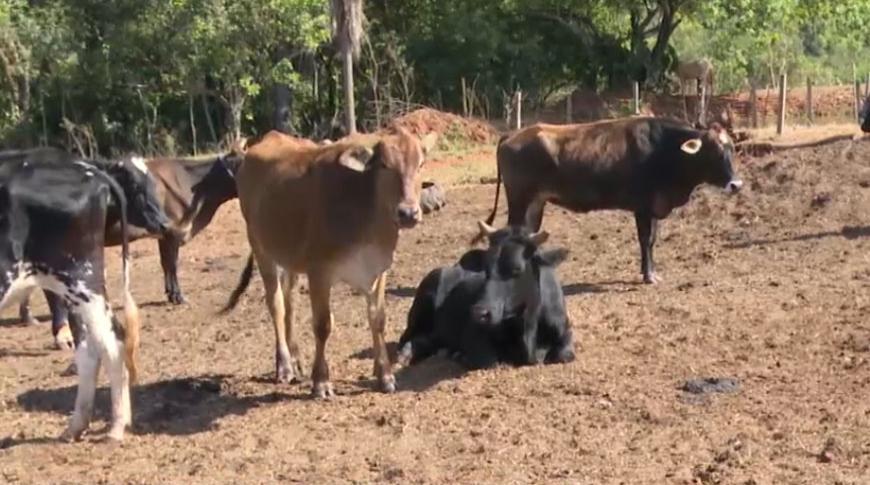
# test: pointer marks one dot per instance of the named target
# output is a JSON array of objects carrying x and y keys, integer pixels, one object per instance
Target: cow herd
[{"x": 333, "y": 212}]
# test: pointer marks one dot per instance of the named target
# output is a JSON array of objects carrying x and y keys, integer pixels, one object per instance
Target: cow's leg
[
  {"x": 88, "y": 365},
  {"x": 78, "y": 333},
  {"x": 563, "y": 351},
  {"x": 105, "y": 336},
  {"x": 119, "y": 381},
  {"x": 377, "y": 321},
  {"x": 519, "y": 200},
  {"x": 169, "y": 261},
  {"x": 275, "y": 304},
  {"x": 647, "y": 227},
  {"x": 535, "y": 215},
  {"x": 289, "y": 287},
  {"x": 476, "y": 349},
  {"x": 60, "y": 327},
  {"x": 24, "y": 312},
  {"x": 416, "y": 349},
  {"x": 320, "y": 288}
]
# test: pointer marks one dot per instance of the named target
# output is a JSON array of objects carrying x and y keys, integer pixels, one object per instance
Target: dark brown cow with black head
[{"x": 648, "y": 166}]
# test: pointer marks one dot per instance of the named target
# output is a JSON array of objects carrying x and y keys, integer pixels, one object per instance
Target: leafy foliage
[{"x": 157, "y": 75}]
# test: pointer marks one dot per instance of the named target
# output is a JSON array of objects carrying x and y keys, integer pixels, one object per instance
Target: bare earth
[{"x": 769, "y": 287}]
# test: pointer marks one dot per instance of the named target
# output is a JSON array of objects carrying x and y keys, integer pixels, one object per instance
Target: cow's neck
[
  {"x": 204, "y": 204},
  {"x": 197, "y": 171},
  {"x": 373, "y": 248}
]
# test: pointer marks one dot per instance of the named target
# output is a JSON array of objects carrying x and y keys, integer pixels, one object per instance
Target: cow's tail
[
  {"x": 491, "y": 218},
  {"x": 244, "y": 281},
  {"x": 131, "y": 311}
]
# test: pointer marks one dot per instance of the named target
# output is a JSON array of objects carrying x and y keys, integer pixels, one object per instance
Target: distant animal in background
[{"x": 699, "y": 72}]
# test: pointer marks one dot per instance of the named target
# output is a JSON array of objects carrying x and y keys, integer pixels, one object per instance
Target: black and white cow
[
  {"x": 503, "y": 304},
  {"x": 189, "y": 193},
  {"x": 143, "y": 210},
  {"x": 52, "y": 223}
]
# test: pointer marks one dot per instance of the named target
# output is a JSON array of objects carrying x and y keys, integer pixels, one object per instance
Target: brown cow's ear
[
  {"x": 539, "y": 237},
  {"x": 356, "y": 158},
  {"x": 692, "y": 146},
  {"x": 428, "y": 142}
]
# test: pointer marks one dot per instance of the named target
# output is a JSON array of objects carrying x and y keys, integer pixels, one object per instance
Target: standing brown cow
[
  {"x": 649, "y": 166},
  {"x": 334, "y": 213}
]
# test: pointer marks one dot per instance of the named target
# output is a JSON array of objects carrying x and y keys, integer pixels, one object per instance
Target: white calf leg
[{"x": 88, "y": 362}]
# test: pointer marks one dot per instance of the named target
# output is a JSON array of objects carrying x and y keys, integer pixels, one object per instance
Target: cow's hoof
[
  {"x": 70, "y": 371},
  {"x": 288, "y": 374},
  {"x": 651, "y": 279},
  {"x": 322, "y": 390},
  {"x": 30, "y": 320},
  {"x": 64, "y": 339},
  {"x": 176, "y": 298},
  {"x": 73, "y": 433},
  {"x": 116, "y": 434},
  {"x": 388, "y": 383}
]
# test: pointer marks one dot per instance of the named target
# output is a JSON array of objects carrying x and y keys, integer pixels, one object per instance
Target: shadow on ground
[
  {"x": 848, "y": 232},
  {"x": 182, "y": 406}
]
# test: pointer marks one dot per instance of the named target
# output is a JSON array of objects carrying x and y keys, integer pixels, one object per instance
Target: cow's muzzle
[
  {"x": 481, "y": 314},
  {"x": 408, "y": 216},
  {"x": 733, "y": 186}
]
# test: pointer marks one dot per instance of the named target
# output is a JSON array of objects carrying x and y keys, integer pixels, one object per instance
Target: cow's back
[{"x": 580, "y": 166}]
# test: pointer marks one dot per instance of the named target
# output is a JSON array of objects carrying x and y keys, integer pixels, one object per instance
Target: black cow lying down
[
  {"x": 502, "y": 304},
  {"x": 52, "y": 223}
]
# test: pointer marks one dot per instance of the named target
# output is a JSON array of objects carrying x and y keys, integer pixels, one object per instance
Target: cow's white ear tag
[{"x": 691, "y": 146}]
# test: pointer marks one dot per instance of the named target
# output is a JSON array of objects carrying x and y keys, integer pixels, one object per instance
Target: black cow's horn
[
  {"x": 539, "y": 237},
  {"x": 485, "y": 229}
]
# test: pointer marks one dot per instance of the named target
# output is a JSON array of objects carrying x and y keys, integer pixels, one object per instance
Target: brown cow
[
  {"x": 649, "y": 166},
  {"x": 334, "y": 213}
]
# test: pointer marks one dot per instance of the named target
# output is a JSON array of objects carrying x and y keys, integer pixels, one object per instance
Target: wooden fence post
[
  {"x": 780, "y": 121},
  {"x": 519, "y": 109},
  {"x": 753, "y": 104},
  {"x": 702, "y": 108},
  {"x": 810, "y": 113},
  {"x": 569, "y": 108},
  {"x": 636, "y": 98},
  {"x": 464, "y": 98}
]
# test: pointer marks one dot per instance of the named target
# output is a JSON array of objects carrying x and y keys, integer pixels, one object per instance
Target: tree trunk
[
  {"x": 655, "y": 68},
  {"x": 207, "y": 113},
  {"x": 282, "y": 108},
  {"x": 192, "y": 122},
  {"x": 347, "y": 78},
  {"x": 282, "y": 99}
]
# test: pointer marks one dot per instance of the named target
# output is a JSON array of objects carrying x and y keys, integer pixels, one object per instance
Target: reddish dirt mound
[{"x": 428, "y": 120}]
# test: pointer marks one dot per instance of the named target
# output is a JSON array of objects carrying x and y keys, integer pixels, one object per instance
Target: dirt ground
[{"x": 771, "y": 287}]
